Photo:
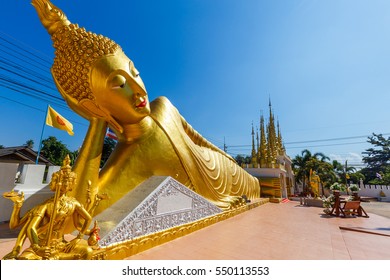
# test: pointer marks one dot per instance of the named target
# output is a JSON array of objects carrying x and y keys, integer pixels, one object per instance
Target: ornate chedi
[
  {"x": 100, "y": 83},
  {"x": 269, "y": 161}
]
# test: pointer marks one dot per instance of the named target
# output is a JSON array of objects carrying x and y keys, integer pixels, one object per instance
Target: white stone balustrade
[{"x": 31, "y": 182}]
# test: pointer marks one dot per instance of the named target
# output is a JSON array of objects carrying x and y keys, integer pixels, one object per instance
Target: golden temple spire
[
  {"x": 271, "y": 143},
  {"x": 281, "y": 149},
  {"x": 263, "y": 144},
  {"x": 257, "y": 145},
  {"x": 254, "y": 154}
]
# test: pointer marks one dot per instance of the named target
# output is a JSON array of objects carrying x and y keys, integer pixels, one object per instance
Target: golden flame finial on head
[
  {"x": 51, "y": 17},
  {"x": 76, "y": 51}
]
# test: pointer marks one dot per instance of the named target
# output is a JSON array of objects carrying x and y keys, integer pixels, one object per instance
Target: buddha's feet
[{"x": 232, "y": 202}]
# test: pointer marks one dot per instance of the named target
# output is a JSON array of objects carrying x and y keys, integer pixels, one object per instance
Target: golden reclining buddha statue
[{"x": 100, "y": 83}]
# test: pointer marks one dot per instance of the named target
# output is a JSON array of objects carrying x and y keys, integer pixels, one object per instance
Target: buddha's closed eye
[{"x": 118, "y": 81}]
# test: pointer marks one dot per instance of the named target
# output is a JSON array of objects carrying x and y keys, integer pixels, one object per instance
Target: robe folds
[{"x": 213, "y": 174}]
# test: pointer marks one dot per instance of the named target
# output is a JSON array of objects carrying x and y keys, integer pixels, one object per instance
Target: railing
[{"x": 374, "y": 190}]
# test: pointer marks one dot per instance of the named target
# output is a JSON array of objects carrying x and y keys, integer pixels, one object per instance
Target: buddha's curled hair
[{"x": 75, "y": 50}]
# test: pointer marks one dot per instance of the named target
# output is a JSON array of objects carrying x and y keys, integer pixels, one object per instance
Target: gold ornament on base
[{"x": 44, "y": 224}]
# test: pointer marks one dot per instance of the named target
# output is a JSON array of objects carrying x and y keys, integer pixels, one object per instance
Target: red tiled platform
[{"x": 285, "y": 231}]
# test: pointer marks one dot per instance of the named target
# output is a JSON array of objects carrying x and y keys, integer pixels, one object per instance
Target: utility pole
[{"x": 346, "y": 175}]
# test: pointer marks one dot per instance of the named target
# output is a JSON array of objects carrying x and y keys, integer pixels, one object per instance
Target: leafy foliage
[
  {"x": 108, "y": 148},
  {"x": 337, "y": 187},
  {"x": 353, "y": 188},
  {"x": 241, "y": 159},
  {"x": 29, "y": 143},
  {"x": 377, "y": 159},
  {"x": 302, "y": 164},
  {"x": 54, "y": 150}
]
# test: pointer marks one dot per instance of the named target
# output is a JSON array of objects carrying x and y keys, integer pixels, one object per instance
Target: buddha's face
[{"x": 118, "y": 89}]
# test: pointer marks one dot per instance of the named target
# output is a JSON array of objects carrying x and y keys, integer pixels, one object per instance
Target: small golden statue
[
  {"x": 100, "y": 83},
  {"x": 44, "y": 224},
  {"x": 314, "y": 183}
]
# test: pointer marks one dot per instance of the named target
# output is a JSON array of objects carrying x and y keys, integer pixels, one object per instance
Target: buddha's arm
[
  {"x": 199, "y": 140},
  {"x": 88, "y": 162}
]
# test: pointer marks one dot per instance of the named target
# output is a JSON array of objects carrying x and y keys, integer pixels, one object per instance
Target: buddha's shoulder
[
  {"x": 162, "y": 104},
  {"x": 161, "y": 101}
]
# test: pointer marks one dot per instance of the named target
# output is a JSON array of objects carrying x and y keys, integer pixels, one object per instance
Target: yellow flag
[{"x": 56, "y": 120}]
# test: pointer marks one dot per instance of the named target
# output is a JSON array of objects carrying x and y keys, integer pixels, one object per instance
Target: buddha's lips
[{"x": 142, "y": 104}]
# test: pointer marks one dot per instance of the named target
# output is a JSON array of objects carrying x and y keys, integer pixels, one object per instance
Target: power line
[
  {"x": 23, "y": 49},
  {"x": 23, "y": 104},
  {"x": 30, "y": 91},
  {"x": 331, "y": 139},
  {"x": 328, "y": 145},
  {"x": 29, "y": 77},
  {"x": 40, "y": 110},
  {"x": 23, "y": 60}
]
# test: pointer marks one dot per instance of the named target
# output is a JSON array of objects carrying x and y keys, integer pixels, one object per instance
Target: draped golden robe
[{"x": 213, "y": 173}]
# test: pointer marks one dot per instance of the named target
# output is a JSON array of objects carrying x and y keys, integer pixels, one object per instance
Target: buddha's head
[{"x": 92, "y": 73}]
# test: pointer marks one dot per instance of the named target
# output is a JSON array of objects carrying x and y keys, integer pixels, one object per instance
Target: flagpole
[{"x": 40, "y": 141}]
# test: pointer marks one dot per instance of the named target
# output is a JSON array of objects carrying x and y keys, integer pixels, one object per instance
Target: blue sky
[{"x": 325, "y": 65}]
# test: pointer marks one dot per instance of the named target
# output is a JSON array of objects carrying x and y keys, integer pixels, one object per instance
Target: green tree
[
  {"x": 338, "y": 169},
  {"x": 73, "y": 155},
  {"x": 343, "y": 171},
  {"x": 242, "y": 159},
  {"x": 327, "y": 175},
  {"x": 302, "y": 164},
  {"x": 29, "y": 143},
  {"x": 377, "y": 158},
  {"x": 54, "y": 150},
  {"x": 356, "y": 176},
  {"x": 108, "y": 147},
  {"x": 1, "y": 147}
]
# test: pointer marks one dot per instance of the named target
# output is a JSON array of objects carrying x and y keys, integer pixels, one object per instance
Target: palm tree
[
  {"x": 307, "y": 161},
  {"x": 299, "y": 164},
  {"x": 342, "y": 171},
  {"x": 327, "y": 174},
  {"x": 29, "y": 143},
  {"x": 338, "y": 168}
]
